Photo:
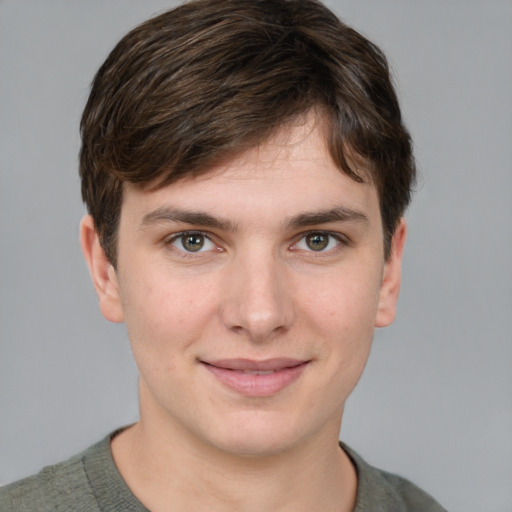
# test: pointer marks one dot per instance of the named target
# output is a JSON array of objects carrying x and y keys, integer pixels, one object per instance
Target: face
[{"x": 251, "y": 294}]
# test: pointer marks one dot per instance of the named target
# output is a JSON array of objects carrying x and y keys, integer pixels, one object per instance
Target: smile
[
  {"x": 256, "y": 378},
  {"x": 256, "y": 372}
]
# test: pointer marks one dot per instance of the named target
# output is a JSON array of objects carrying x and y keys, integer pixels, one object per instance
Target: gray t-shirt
[{"x": 90, "y": 482}]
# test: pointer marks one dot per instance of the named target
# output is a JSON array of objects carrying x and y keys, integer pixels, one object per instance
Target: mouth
[{"x": 256, "y": 378}]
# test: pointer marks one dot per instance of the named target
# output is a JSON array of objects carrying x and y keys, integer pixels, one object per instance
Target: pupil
[
  {"x": 193, "y": 243},
  {"x": 317, "y": 241}
]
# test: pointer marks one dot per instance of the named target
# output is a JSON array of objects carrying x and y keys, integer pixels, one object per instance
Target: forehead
[{"x": 290, "y": 171}]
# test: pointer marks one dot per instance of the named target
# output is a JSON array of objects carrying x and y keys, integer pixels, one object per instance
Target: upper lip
[{"x": 276, "y": 364}]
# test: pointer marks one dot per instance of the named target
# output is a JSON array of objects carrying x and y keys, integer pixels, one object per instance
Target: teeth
[{"x": 257, "y": 372}]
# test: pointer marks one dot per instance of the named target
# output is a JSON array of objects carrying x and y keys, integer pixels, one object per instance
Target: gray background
[{"x": 436, "y": 401}]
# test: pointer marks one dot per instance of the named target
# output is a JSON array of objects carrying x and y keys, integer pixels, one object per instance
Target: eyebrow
[
  {"x": 166, "y": 214},
  {"x": 311, "y": 218},
  {"x": 337, "y": 214}
]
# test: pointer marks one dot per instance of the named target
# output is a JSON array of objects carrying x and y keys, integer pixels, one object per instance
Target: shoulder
[
  {"x": 386, "y": 492},
  {"x": 63, "y": 486}
]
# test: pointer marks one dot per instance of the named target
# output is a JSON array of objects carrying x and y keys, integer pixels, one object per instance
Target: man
[{"x": 246, "y": 171}]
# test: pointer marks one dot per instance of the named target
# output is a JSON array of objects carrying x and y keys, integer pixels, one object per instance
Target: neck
[{"x": 168, "y": 469}]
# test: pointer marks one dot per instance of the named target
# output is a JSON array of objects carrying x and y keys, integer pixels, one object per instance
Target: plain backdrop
[{"x": 435, "y": 403}]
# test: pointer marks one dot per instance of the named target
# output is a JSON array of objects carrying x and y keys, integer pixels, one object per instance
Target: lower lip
[{"x": 257, "y": 385}]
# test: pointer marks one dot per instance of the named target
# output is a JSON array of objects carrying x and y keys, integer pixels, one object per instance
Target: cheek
[
  {"x": 341, "y": 303},
  {"x": 341, "y": 315},
  {"x": 166, "y": 314}
]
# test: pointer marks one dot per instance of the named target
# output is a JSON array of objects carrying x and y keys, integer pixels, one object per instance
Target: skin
[{"x": 255, "y": 290}]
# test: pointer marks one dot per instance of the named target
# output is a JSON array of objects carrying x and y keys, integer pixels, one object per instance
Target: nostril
[{"x": 256, "y": 303}]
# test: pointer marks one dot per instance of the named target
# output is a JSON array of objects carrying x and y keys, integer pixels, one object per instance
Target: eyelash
[
  {"x": 340, "y": 240},
  {"x": 184, "y": 253}
]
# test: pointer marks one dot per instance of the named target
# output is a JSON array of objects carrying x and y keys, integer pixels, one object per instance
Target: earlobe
[
  {"x": 102, "y": 272},
  {"x": 390, "y": 287}
]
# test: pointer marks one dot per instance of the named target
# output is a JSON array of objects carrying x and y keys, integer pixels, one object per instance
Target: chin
[{"x": 256, "y": 435}]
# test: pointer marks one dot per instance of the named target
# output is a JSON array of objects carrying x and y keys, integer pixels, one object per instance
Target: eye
[
  {"x": 318, "y": 241},
  {"x": 192, "y": 242}
]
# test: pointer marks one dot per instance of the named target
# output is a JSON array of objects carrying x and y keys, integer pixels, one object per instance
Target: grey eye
[
  {"x": 192, "y": 242},
  {"x": 317, "y": 241}
]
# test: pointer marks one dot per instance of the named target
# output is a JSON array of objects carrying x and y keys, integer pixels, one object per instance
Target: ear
[
  {"x": 102, "y": 272},
  {"x": 390, "y": 286}
]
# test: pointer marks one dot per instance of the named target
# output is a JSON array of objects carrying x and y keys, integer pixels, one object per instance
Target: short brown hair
[{"x": 201, "y": 83}]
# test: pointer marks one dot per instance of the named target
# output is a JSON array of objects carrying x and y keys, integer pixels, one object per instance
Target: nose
[{"x": 258, "y": 300}]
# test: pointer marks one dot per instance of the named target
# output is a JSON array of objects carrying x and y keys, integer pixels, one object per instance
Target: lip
[{"x": 254, "y": 378}]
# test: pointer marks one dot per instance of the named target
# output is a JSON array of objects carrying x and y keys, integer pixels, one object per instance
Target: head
[
  {"x": 198, "y": 85},
  {"x": 246, "y": 169}
]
